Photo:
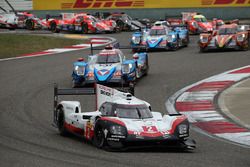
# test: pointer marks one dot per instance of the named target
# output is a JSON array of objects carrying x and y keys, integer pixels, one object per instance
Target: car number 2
[{"x": 149, "y": 128}]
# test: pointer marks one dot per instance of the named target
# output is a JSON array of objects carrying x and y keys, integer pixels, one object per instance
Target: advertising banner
[{"x": 130, "y": 4}]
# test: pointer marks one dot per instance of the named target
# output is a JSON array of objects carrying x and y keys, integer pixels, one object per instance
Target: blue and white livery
[
  {"x": 110, "y": 67},
  {"x": 160, "y": 37}
]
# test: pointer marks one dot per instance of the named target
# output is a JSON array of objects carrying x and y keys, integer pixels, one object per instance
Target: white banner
[{"x": 17, "y": 4}]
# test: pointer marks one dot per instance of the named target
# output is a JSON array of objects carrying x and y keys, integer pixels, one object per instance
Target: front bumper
[
  {"x": 217, "y": 48},
  {"x": 132, "y": 141}
]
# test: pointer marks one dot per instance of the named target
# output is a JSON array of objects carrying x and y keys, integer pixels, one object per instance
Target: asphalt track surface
[{"x": 26, "y": 103}]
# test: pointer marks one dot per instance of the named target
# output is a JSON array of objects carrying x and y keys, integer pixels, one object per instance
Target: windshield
[
  {"x": 126, "y": 17},
  {"x": 157, "y": 32},
  {"x": 202, "y": 19},
  {"x": 133, "y": 112},
  {"x": 93, "y": 19},
  {"x": 108, "y": 58},
  {"x": 226, "y": 31},
  {"x": 115, "y": 17}
]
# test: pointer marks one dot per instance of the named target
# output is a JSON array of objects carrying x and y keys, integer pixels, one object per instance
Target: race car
[
  {"x": 14, "y": 19},
  {"x": 226, "y": 37},
  {"x": 110, "y": 67},
  {"x": 121, "y": 121},
  {"x": 196, "y": 23},
  {"x": 125, "y": 22},
  {"x": 160, "y": 37},
  {"x": 81, "y": 22},
  {"x": 24, "y": 20}
]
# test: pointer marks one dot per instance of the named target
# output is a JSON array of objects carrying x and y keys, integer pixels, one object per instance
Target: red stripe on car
[
  {"x": 72, "y": 128},
  {"x": 113, "y": 120}
]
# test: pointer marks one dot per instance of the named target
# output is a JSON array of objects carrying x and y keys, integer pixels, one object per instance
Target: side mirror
[
  {"x": 135, "y": 56},
  {"x": 80, "y": 59}
]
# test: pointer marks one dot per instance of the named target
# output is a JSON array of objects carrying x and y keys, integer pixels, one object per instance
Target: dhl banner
[{"x": 116, "y": 4}]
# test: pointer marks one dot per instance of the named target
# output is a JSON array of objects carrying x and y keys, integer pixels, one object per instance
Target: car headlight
[
  {"x": 126, "y": 68},
  {"x": 170, "y": 38},
  {"x": 183, "y": 130},
  {"x": 79, "y": 70},
  {"x": 194, "y": 24},
  {"x": 241, "y": 37},
  {"x": 203, "y": 39},
  {"x": 93, "y": 23},
  {"x": 114, "y": 24},
  {"x": 136, "y": 40},
  {"x": 117, "y": 130}
]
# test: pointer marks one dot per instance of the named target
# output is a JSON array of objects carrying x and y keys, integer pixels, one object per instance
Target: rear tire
[{"x": 61, "y": 122}]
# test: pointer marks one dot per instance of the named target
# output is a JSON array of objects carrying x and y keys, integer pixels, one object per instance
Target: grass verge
[{"x": 12, "y": 45}]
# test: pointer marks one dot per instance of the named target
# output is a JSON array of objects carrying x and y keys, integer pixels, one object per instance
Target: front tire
[
  {"x": 30, "y": 25},
  {"x": 74, "y": 84},
  {"x": 99, "y": 138},
  {"x": 85, "y": 28},
  {"x": 202, "y": 50},
  {"x": 53, "y": 27},
  {"x": 120, "y": 24}
]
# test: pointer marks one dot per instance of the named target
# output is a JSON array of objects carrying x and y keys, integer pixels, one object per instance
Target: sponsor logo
[
  {"x": 103, "y": 4},
  {"x": 103, "y": 72},
  {"x": 105, "y": 93},
  {"x": 113, "y": 139},
  {"x": 105, "y": 90},
  {"x": 117, "y": 136}
]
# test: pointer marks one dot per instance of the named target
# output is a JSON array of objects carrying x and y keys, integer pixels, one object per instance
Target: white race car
[{"x": 121, "y": 121}]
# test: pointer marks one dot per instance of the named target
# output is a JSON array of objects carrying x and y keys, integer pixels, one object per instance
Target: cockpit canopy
[
  {"x": 108, "y": 56},
  {"x": 126, "y": 111}
]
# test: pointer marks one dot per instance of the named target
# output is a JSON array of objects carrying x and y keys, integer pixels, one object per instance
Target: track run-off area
[{"x": 27, "y": 137}]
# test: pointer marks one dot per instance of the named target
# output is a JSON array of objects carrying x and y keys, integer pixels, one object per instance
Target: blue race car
[
  {"x": 160, "y": 37},
  {"x": 110, "y": 67}
]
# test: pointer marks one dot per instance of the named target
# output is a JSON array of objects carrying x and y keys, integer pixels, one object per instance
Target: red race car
[
  {"x": 226, "y": 37},
  {"x": 196, "y": 23},
  {"x": 81, "y": 22}
]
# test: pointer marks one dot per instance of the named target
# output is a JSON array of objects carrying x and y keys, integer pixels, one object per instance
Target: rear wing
[
  {"x": 114, "y": 45},
  {"x": 187, "y": 16},
  {"x": 103, "y": 94},
  {"x": 68, "y": 16}
]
